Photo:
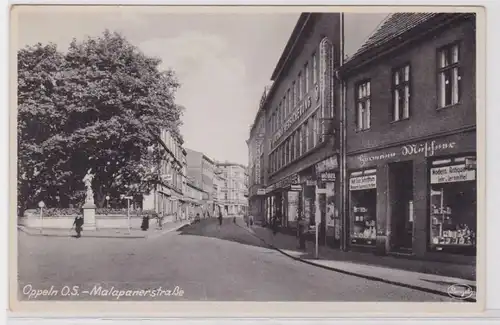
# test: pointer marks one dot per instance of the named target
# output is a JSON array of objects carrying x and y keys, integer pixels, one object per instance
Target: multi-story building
[
  {"x": 411, "y": 137},
  {"x": 219, "y": 182},
  {"x": 166, "y": 198},
  {"x": 256, "y": 188},
  {"x": 201, "y": 169},
  {"x": 301, "y": 150},
  {"x": 234, "y": 190},
  {"x": 193, "y": 198}
]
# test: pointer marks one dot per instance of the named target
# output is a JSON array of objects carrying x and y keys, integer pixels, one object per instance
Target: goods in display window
[
  {"x": 453, "y": 201},
  {"x": 363, "y": 197}
]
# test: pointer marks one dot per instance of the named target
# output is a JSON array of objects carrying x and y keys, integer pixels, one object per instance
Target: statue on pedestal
[{"x": 87, "y": 180}]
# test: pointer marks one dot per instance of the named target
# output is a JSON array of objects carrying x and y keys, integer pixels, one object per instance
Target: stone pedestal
[{"x": 89, "y": 216}]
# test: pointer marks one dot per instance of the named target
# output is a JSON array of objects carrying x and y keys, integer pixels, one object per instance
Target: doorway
[{"x": 401, "y": 206}]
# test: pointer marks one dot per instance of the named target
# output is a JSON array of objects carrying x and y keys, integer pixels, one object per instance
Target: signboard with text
[
  {"x": 363, "y": 183},
  {"x": 261, "y": 191},
  {"x": 452, "y": 174},
  {"x": 463, "y": 142},
  {"x": 327, "y": 177}
]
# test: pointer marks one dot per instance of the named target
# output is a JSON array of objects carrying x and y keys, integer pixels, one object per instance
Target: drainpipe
[{"x": 342, "y": 168}]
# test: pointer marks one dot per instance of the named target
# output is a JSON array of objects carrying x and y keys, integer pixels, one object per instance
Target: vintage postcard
[{"x": 247, "y": 161}]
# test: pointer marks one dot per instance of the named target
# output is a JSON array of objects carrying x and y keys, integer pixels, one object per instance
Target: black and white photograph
[{"x": 252, "y": 155}]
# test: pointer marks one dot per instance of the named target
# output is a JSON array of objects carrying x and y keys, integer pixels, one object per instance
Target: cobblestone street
[{"x": 202, "y": 262}]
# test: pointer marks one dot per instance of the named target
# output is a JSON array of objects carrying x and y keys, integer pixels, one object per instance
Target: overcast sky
[{"x": 223, "y": 61}]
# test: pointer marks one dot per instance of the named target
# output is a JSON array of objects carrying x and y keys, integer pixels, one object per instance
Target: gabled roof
[{"x": 393, "y": 26}]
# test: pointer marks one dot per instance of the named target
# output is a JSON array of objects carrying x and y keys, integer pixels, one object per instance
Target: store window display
[
  {"x": 363, "y": 194},
  {"x": 453, "y": 201}
]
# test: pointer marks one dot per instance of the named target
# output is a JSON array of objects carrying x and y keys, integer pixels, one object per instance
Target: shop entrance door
[{"x": 401, "y": 206}]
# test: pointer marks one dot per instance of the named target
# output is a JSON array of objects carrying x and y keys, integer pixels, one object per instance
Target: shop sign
[
  {"x": 261, "y": 191},
  {"x": 296, "y": 188},
  {"x": 297, "y": 114},
  {"x": 452, "y": 174},
  {"x": 427, "y": 149},
  {"x": 321, "y": 191},
  {"x": 284, "y": 183},
  {"x": 310, "y": 183},
  {"x": 327, "y": 177},
  {"x": 327, "y": 165},
  {"x": 363, "y": 183}
]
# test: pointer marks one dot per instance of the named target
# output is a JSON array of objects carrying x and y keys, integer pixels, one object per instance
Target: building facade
[
  {"x": 411, "y": 138},
  {"x": 300, "y": 151},
  {"x": 219, "y": 197},
  {"x": 255, "y": 143},
  {"x": 234, "y": 190},
  {"x": 193, "y": 198},
  {"x": 168, "y": 196},
  {"x": 201, "y": 169}
]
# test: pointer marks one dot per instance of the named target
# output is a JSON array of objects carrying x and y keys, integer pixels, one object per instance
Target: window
[
  {"x": 453, "y": 201},
  {"x": 306, "y": 71},
  {"x": 449, "y": 75},
  {"x": 301, "y": 141},
  {"x": 288, "y": 101},
  {"x": 311, "y": 133},
  {"x": 315, "y": 129},
  {"x": 363, "y": 106},
  {"x": 285, "y": 106},
  {"x": 300, "y": 87},
  {"x": 401, "y": 93},
  {"x": 287, "y": 153},
  {"x": 306, "y": 136},
  {"x": 283, "y": 154},
  {"x": 292, "y": 147},
  {"x": 296, "y": 97},
  {"x": 315, "y": 69},
  {"x": 292, "y": 99}
]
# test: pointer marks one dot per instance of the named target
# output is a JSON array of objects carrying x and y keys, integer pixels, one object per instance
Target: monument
[{"x": 89, "y": 206}]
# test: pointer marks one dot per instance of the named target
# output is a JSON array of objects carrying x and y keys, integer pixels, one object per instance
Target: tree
[
  {"x": 108, "y": 106},
  {"x": 40, "y": 115}
]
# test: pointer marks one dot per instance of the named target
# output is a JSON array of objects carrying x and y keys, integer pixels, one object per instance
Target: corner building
[
  {"x": 301, "y": 148},
  {"x": 411, "y": 138}
]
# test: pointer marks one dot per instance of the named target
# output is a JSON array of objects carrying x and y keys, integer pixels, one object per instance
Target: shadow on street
[{"x": 227, "y": 231}]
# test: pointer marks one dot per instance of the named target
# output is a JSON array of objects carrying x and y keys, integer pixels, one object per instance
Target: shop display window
[
  {"x": 453, "y": 201},
  {"x": 363, "y": 210}
]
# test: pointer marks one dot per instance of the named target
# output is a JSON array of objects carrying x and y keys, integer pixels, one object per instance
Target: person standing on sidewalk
[
  {"x": 78, "y": 224},
  {"x": 301, "y": 226},
  {"x": 220, "y": 220}
]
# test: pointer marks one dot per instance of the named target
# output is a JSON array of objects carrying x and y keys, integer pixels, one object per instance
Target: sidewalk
[
  {"x": 152, "y": 232},
  {"x": 434, "y": 277}
]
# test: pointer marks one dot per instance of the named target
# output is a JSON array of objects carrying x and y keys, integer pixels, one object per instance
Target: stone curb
[
  {"x": 368, "y": 277},
  {"x": 33, "y": 232}
]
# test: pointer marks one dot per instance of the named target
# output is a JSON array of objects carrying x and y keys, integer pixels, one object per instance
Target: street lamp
[
  {"x": 41, "y": 205},
  {"x": 107, "y": 201}
]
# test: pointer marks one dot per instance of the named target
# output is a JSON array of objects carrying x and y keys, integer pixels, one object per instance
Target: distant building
[
  {"x": 234, "y": 189},
  {"x": 201, "y": 169},
  {"x": 168, "y": 196},
  {"x": 219, "y": 183}
]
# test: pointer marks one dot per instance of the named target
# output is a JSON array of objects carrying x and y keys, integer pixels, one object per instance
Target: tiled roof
[{"x": 394, "y": 26}]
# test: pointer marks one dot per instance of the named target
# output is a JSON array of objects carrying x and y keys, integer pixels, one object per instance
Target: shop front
[
  {"x": 282, "y": 200},
  {"x": 418, "y": 198},
  {"x": 326, "y": 189}
]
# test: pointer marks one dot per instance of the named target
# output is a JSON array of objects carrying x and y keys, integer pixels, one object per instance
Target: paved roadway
[{"x": 204, "y": 261}]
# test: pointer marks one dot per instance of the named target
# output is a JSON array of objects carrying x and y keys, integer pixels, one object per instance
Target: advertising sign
[
  {"x": 452, "y": 174},
  {"x": 363, "y": 183},
  {"x": 327, "y": 177},
  {"x": 261, "y": 191}
]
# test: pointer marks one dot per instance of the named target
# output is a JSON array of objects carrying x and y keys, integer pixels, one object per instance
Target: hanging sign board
[
  {"x": 310, "y": 183},
  {"x": 261, "y": 191},
  {"x": 327, "y": 177},
  {"x": 363, "y": 183},
  {"x": 452, "y": 174},
  {"x": 295, "y": 188}
]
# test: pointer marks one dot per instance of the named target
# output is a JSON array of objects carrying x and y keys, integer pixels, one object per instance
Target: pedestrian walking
[
  {"x": 220, "y": 220},
  {"x": 78, "y": 224}
]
